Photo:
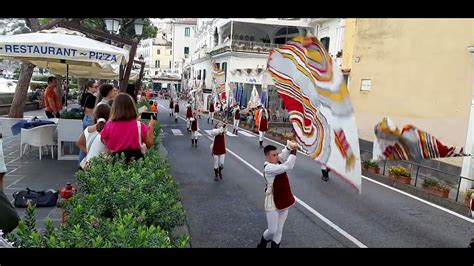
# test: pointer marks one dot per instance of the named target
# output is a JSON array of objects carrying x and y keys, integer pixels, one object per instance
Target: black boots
[
  {"x": 275, "y": 245},
  {"x": 261, "y": 144},
  {"x": 216, "y": 173},
  {"x": 176, "y": 119},
  {"x": 325, "y": 174},
  {"x": 195, "y": 143},
  {"x": 235, "y": 131},
  {"x": 220, "y": 171},
  {"x": 208, "y": 120},
  {"x": 263, "y": 243}
]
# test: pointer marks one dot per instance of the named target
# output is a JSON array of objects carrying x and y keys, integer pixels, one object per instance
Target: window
[
  {"x": 157, "y": 63},
  {"x": 325, "y": 42},
  {"x": 170, "y": 64},
  {"x": 186, "y": 50},
  {"x": 171, "y": 52},
  {"x": 156, "y": 73},
  {"x": 199, "y": 75},
  {"x": 187, "y": 31},
  {"x": 158, "y": 51},
  {"x": 203, "y": 74},
  {"x": 224, "y": 68}
]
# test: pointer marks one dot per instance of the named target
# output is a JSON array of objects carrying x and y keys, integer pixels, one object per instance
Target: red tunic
[
  {"x": 194, "y": 125},
  {"x": 176, "y": 108},
  {"x": 189, "y": 112},
  {"x": 282, "y": 195},
  {"x": 211, "y": 108},
  {"x": 263, "y": 126},
  {"x": 237, "y": 114},
  {"x": 218, "y": 148},
  {"x": 171, "y": 104}
]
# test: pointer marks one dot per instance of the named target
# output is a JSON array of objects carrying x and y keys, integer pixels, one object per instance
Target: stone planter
[
  {"x": 440, "y": 192},
  {"x": 402, "y": 179}
]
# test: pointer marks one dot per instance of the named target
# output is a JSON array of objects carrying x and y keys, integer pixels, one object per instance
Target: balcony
[{"x": 244, "y": 46}]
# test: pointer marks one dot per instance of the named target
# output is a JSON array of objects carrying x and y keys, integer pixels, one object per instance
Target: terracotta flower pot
[
  {"x": 402, "y": 179},
  {"x": 374, "y": 170},
  {"x": 440, "y": 192}
]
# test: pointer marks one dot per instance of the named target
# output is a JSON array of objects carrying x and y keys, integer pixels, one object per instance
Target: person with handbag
[
  {"x": 89, "y": 141},
  {"x": 194, "y": 130},
  {"x": 8, "y": 216},
  {"x": 218, "y": 148},
  {"x": 278, "y": 195},
  {"x": 123, "y": 133}
]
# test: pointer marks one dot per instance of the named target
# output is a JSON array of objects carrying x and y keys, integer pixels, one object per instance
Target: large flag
[
  {"x": 218, "y": 76},
  {"x": 409, "y": 143},
  {"x": 315, "y": 94}
]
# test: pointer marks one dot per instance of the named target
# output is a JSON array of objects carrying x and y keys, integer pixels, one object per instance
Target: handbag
[
  {"x": 43, "y": 198},
  {"x": 143, "y": 147}
]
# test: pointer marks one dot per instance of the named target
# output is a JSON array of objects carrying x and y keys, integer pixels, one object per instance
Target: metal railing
[
  {"x": 244, "y": 46},
  {"x": 423, "y": 172}
]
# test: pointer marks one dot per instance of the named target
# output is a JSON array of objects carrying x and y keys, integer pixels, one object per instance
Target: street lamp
[
  {"x": 138, "y": 26},
  {"x": 112, "y": 25}
]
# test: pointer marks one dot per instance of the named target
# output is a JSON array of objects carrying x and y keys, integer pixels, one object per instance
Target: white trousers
[
  {"x": 261, "y": 134},
  {"x": 219, "y": 161},
  {"x": 194, "y": 135},
  {"x": 175, "y": 115},
  {"x": 275, "y": 220},
  {"x": 171, "y": 110},
  {"x": 211, "y": 115},
  {"x": 236, "y": 123},
  {"x": 188, "y": 123}
]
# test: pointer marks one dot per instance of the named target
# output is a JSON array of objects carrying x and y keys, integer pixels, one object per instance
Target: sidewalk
[{"x": 29, "y": 171}]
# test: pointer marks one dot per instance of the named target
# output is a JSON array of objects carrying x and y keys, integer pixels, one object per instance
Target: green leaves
[{"x": 117, "y": 206}]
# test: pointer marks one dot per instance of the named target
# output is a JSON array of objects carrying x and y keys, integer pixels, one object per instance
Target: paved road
[{"x": 230, "y": 213}]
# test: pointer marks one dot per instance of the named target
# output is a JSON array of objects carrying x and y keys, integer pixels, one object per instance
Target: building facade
[
  {"x": 416, "y": 71},
  {"x": 183, "y": 43},
  {"x": 239, "y": 47}
]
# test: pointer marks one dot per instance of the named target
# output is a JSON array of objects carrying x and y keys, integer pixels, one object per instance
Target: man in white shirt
[{"x": 278, "y": 195}]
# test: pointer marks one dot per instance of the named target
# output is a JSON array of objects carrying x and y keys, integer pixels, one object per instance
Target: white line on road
[
  {"x": 246, "y": 134},
  {"x": 176, "y": 132},
  {"x": 421, "y": 200},
  {"x": 230, "y": 134},
  {"x": 306, "y": 206}
]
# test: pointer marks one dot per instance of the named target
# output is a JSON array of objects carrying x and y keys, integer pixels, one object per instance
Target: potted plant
[
  {"x": 400, "y": 174},
  {"x": 468, "y": 194},
  {"x": 433, "y": 186},
  {"x": 371, "y": 166}
]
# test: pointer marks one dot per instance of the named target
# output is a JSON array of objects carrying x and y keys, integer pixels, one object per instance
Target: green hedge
[{"x": 117, "y": 206}]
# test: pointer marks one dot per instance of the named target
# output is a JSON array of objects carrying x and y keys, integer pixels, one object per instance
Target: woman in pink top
[{"x": 120, "y": 134}]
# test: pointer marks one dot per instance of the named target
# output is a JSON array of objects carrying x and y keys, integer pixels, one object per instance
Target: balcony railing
[{"x": 244, "y": 46}]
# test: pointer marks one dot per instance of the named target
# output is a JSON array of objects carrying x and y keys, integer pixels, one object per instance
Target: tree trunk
[
  {"x": 26, "y": 71},
  {"x": 21, "y": 91}
]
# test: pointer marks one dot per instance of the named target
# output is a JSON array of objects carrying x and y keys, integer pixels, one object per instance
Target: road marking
[
  {"x": 208, "y": 131},
  {"x": 230, "y": 134},
  {"x": 246, "y": 134},
  {"x": 421, "y": 200},
  {"x": 306, "y": 206},
  {"x": 176, "y": 132}
]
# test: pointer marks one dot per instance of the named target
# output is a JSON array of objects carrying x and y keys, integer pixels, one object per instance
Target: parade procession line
[{"x": 302, "y": 203}]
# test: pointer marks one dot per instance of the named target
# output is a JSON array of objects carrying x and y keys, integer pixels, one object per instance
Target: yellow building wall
[
  {"x": 349, "y": 42},
  {"x": 164, "y": 56},
  {"x": 421, "y": 73}
]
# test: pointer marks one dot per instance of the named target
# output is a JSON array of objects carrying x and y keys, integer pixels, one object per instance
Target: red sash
[
  {"x": 237, "y": 115},
  {"x": 263, "y": 126},
  {"x": 176, "y": 108},
  {"x": 194, "y": 125},
  {"x": 211, "y": 108},
  {"x": 189, "y": 112}
]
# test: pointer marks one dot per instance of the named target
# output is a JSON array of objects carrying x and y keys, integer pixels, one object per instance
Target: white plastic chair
[{"x": 38, "y": 137}]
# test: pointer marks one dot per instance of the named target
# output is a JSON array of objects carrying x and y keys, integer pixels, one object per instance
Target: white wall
[
  {"x": 334, "y": 29},
  {"x": 242, "y": 63},
  {"x": 180, "y": 41}
]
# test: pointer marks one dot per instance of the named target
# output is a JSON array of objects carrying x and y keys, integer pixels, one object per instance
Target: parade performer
[
  {"x": 236, "y": 114},
  {"x": 194, "y": 130},
  {"x": 262, "y": 126},
  {"x": 278, "y": 195},
  {"x": 211, "y": 113},
  {"x": 189, "y": 114},
  {"x": 171, "y": 107},
  {"x": 176, "y": 111},
  {"x": 218, "y": 148}
]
